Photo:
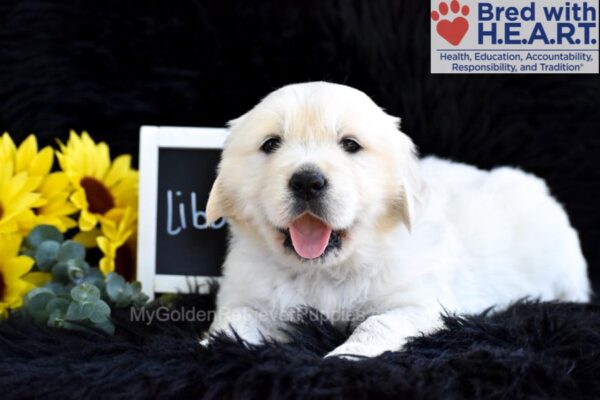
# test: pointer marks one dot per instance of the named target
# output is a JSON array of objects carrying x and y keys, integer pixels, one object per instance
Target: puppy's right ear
[
  {"x": 220, "y": 202},
  {"x": 216, "y": 200}
]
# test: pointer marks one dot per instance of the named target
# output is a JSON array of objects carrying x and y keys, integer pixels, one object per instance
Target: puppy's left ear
[
  {"x": 216, "y": 201},
  {"x": 405, "y": 200},
  {"x": 408, "y": 199}
]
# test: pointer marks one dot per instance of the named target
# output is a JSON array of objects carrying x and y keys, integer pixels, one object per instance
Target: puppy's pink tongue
[{"x": 310, "y": 236}]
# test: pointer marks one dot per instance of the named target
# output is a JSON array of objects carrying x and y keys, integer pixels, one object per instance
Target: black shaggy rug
[{"x": 531, "y": 350}]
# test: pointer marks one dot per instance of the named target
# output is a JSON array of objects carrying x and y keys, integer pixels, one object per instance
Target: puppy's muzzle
[{"x": 308, "y": 184}]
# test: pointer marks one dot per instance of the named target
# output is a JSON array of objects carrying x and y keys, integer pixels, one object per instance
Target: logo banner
[{"x": 514, "y": 36}]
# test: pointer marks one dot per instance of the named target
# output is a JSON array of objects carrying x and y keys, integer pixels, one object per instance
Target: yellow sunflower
[
  {"x": 52, "y": 207},
  {"x": 101, "y": 188},
  {"x": 12, "y": 269},
  {"x": 57, "y": 209},
  {"x": 15, "y": 204},
  {"x": 118, "y": 245},
  {"x": 16, "y": 200}
]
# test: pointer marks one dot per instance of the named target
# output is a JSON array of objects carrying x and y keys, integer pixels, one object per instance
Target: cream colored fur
[{"x": 420, "y": 236}]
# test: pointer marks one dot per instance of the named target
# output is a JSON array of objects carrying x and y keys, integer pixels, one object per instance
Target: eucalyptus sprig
[{"x": 77, "y": 295}]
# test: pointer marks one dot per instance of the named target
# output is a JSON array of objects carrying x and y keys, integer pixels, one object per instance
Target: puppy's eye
[
  {"x": 270, "y": 145},
  {"x": 350, "y": 145}
]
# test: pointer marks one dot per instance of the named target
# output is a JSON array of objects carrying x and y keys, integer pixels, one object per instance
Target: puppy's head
[{"x": 315, "y": 171}]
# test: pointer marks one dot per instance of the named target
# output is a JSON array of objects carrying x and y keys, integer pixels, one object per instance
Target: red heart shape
[{"x": 453, "y": 31}]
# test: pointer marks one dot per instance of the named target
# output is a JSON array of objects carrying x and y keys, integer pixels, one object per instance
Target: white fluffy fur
[{"x": 422, "y": 236}]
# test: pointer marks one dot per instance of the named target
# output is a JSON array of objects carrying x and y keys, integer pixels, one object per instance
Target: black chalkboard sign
[
  {"x": 185, "y": 243},
  {"x": 176, "y": 245}
]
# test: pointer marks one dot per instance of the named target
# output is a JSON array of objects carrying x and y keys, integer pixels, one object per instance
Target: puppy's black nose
[{"x": 307, "y": 184}]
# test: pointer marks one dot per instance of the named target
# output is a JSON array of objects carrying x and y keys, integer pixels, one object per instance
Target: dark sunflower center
[
  {"x": 99, "y": 199},
  {"x": 1, "y": 211},
  {"x": 125, "y": 263},
  {"x": 2, "y": 286}
]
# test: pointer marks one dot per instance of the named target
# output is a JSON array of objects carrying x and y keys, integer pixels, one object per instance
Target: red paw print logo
[{"x": 451, "y": 30}]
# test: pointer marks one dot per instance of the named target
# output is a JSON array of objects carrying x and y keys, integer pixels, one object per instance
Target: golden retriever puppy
[{"x": 330, "y": 207}]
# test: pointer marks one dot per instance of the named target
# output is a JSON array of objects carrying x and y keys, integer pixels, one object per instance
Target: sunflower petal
[
  {"x": 68, "y": 222},
  {"x": 8, "y": 226},
  {"x": 8, "y": 147},
  {"x": 33, "y": 182},
  {"x": 78, "y": 198},
  {"x": 42, "y": 162},
  {"x": 16, "y": 267},
  {"x": 119, "y": 169},
  {"x": 88, "y": 239},
  {"x": 102, "y": 160},
  {"x": 25, "y": 153},
  {"x": 62, "y": 161},
  {"x": 58, "y": 205},
  {"x": 50, "y": 220},
  {"x": 41, "y": 202},
  {"x": 87, "y": 221},
  {"x": 107, "y": 265},
  {"x": 38, "y": 278},
  {"x": 103, "y": 244},
  {"x": 6, "y": 174},
  {"x": 55, "y": 182},
  {"x": 25, "y": 221},
  {"x": 10, "y": 245},
  {"x": 17, "y": 183}
]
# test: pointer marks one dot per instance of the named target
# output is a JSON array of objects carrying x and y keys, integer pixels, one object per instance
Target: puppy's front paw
[{"x": 354, "y": 351}]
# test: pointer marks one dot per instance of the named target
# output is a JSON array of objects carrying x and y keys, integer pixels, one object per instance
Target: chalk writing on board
[{"x": 179, "y": 210}]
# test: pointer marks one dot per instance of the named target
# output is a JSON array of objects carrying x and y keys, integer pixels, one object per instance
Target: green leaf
[
  {"x": 38, "y": 297},
  {"x": 78, "y": 311},
  {"x": 140, "y": 299},
  {"x": 42, "y": 233},
  {"x": 95, "y": 277},
  {"x": 56, "y": 319},
  {"x": 77, "y": 270},
  {"x": 107, "y": 326},
  {"x": 116, "y": 278},
  {"x": 122, "y": 293},
  {"x": 136, "y": 287},
  {"x": 60, "y": 273},
  {"x": 115, "y": 286},
  {"x": 57, "y": 304},
  {"x": 124, "y": 297},
  {"x": 85, "y": 292},
  {"x": 35, "y": 304},
  {"x": 100, "y": 311},
  {"x": 96, "y": 311},
  {"x": 45, "y": 254},
  {"x": 71, "y": 250},
  {"x": 59, "y": 290}
]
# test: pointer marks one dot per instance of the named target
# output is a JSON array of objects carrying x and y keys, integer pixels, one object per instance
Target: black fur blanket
[{"x": 531, "y": 350}]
